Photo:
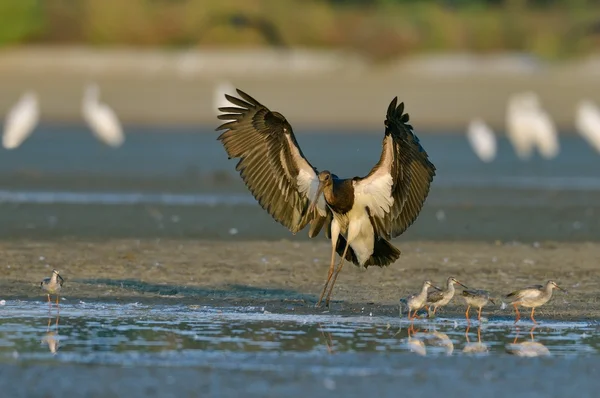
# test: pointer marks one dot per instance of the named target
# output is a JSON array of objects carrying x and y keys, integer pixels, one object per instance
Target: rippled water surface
[{"x": 187, "y": 335}]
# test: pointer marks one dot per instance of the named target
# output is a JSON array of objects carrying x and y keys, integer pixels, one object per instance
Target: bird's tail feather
[{"x": 384, "y": 253}]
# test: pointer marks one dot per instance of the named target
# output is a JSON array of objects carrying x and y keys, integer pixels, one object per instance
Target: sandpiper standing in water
[
  {"x": 437, "y": 299},
  {"x": 415, "y": 302},
  {"x": 52, "y": 285},
  {"x": 532, "y": 297},
  {"x": 476, "y": 298}
]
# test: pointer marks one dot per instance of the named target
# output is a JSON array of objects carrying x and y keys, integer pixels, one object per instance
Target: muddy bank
[{"x": 288, "y": 276}]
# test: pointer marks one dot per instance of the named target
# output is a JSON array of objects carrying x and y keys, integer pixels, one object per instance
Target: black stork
[{"x": 360, "y": 215}]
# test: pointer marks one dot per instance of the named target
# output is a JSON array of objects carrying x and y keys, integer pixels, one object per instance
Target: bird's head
[
  {"x": 57, "y": 276},
  {"x": 452, "y": 280},
  {"x": 325, "y": 180},
  {"x": 325, "y": 177},
  {"x": 553, "y": 285},
  {"x": 430, "y": 284}
]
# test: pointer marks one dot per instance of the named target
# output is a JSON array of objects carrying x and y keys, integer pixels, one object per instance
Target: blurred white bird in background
[
  {"x": 482, "y": 140},
  {"x": 101, "y": 118},
  {"x": 21, "y": 120},
  {"x": 587, "y": 122},
  {"x": 528, "y": 126},
  {"x": 219, "y": 100}
]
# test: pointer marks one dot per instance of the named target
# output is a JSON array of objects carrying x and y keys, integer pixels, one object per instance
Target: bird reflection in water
[
  {"x": 51, "y": 338},
  {"x": 328, "y": 339},
  {"x": 439, "y": 339},
  {"x": 414, "y": 344},
  {"x": 475, "y": 348},
  {"x": 527, "y": 348}
]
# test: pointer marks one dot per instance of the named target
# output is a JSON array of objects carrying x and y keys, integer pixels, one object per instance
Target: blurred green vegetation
[{"x": 378, "y": 28}]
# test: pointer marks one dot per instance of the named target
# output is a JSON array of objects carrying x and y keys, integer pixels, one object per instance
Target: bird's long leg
[
  {"x": 57, "y": 305},
  {"x": 532, "y": 318},
  {"x": 517, "y": 312},
  {"x": 479, "y": 334},
  {"x": 49, "y": 303},
  {"x": 479, "y": 315},
  {"x": 467, "y": 314},
  {"x": 337, "y": 272},
  {"x": 329, "y": 275}
]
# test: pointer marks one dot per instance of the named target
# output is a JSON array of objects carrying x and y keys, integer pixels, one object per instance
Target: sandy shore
[
  {"x": 312, "y": 88},
  {"x": 284, "y": 275}
]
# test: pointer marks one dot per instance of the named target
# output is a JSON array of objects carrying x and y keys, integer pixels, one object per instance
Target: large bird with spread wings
[{"x": 360, "y": 214}]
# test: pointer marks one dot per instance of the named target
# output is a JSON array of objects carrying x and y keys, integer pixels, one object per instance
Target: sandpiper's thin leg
[
  {"x": 434, "y": 310},
  {"x": 467, "y": 332},
  {"x": 49, "y": 303},
  {"x": 337, "y": 272},
  {"x": 329, "y": 275},
  {"x": 49, "y": 321},
  {"x": 467, "y": 314},
  {"x": 57, "y": 305},
  {"x": 479, "y": 334},
  {"x": 517, "y": 312},
  {"x": 479, "y": 315},
  {"x": 532, "y": 318}
]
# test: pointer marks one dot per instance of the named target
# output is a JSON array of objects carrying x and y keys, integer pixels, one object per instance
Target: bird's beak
[
  {"x": 315, "y": 199},
  {"x": 60, "y": 277},
  {"x": 560, "y": 288},
  {"x": 492, "y": 301},
  {"x": 435, "y": 287},
  {"x": 460, "y": 284}
]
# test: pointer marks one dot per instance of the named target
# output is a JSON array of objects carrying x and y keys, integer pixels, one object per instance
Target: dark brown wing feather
[
  {"x": 411, "y": 171},
  {"x": 414, "y": 171},
  {"x": 270, "y": 161},
  {"x": 434, "y": 296}
]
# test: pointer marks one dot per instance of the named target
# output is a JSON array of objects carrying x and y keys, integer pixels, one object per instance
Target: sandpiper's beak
[
  {"x": 460, "y": 284},
  {"x": 492, "y": 301},
  {"x": 560, "y": 288},
  {"x": 435, "y": 287},
  {"x": 60, "y": 277},
  {"x": 315, "y": 199}
]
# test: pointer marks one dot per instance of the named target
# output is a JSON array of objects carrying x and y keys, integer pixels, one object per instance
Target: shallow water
[{"x": 136, "y": 334}]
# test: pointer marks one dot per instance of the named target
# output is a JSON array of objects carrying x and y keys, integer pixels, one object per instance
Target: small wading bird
[
  {"x": 482, "y": 140},
  {"x": 52, "y": 285},
  {"x": 101, "y": 118},
  {"x": 476, "y": 298},
  {"x": 532, "y": 297},
  {"x": 437, "y": 298},
  {"x": 416, "y": 301},
  {"x": 529, "y": 126},
  {"x": 360, "y": 215},
  {"x": 587, "y": 123},
  {"x": 20, "y": 121}
]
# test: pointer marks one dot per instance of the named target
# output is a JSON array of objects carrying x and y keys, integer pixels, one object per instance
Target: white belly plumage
[{"x": 357, "y": 227}]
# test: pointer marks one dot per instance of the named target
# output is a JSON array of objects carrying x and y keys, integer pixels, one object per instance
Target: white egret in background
[
  {"x": 101, "y": 118},
  {"x": 528, "y": 126},
  {"x": 21, "y": 120},
  {"x": 587, "y": 122},
  {"x": 219, "y": 100},
  {"x": 482, "y": 140}
]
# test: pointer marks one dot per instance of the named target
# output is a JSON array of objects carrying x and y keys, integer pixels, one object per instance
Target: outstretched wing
[
  {"x": 396, "y": 188},
  {"x": 271, "y": 163}
]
